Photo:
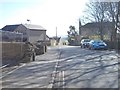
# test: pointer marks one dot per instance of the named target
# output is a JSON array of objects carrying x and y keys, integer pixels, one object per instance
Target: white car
[{"x": 85, "y": 43}]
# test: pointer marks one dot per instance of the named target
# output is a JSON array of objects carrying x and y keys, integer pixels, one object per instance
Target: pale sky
[{"x": 47, "y": 13}]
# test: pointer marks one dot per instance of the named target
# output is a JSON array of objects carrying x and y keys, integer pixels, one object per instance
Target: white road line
[
  {"x": 62, "y": 72},
  {"x": 12, "y": 71},
  {"x": 53, "y": 75},
  {"x": 4, "y": 66},
  {"x": 63, "y": 76},
  {"x": 59, "y": 78},
  {"x": 52, "y": 81}
]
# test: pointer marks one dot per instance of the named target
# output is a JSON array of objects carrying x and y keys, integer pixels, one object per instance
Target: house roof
[
  {"x": 28, "y": 26},
  {"x": 10, "y": 27},
  {"x": 56, "y": 38},
  {"x": 31, "y": 26},
  {"x": 97, "y": 24},
  {"x": 47, "y": 36}
]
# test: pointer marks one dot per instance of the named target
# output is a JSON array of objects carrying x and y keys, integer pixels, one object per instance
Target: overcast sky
[{"x": 47, "y": 13}]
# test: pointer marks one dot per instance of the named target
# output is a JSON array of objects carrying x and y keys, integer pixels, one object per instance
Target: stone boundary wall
[{"x": 12, "y": 52}]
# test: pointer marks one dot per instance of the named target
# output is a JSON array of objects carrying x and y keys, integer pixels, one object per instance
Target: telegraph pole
[
  {"x": 56, "y": 37},
  {"x": 56, "y": 32},
  {"x": 28, "y": 20}
]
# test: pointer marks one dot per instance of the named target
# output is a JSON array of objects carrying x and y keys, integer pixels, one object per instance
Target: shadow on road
[{"x": 91, "y": 72}]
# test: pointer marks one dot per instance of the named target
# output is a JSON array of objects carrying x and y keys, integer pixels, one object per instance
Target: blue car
[{"x": 97, "y": 44}]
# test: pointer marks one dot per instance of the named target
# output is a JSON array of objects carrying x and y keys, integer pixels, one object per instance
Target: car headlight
[{"x": 105, "y": 44}]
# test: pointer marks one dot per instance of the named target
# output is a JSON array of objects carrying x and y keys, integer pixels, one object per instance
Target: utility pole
[
  {"x": 56, "y": 37},
  {"x": 28, "y": 32},
  {"x": 56, "y": 32}
]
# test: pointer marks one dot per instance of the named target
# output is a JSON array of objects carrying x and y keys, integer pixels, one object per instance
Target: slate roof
[
  {"x": 10, "y": 27},
  {"x": 28, "y": 26}
]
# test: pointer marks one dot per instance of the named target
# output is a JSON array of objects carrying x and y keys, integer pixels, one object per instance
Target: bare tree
[
  {"x": 96, "y": 12},
  {"x": 112, "y": 9},
  {"x": 101, "y": 12},
  {"x": 118, "y": 18},
  {"x": 118, "y": 27}
]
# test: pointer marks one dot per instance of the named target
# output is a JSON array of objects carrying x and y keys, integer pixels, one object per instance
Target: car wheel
[
  {"x": 92, "y": 48},
  {"x": 89, "y": 47},
  {"x": 32, "y": 58},
  {"x": 81, "y": 46}
]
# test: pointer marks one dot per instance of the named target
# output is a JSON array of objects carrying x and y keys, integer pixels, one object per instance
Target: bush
[
  {"x": 111, "y": 45},
  {"x": 85, "y": 38}
]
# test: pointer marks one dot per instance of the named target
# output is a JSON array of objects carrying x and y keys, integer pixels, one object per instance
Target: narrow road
[
  {"x": 67, "y": 67},
  {"x": 87, "y": 69}
]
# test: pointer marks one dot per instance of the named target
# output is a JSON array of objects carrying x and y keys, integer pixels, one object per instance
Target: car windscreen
[
  {"x": 98, "y": 41},
  {"x": 87, "y": 40}
]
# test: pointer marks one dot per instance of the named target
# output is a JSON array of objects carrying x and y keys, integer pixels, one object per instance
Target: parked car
[
  {"x": 97, "y": 44},
  {"x": 85, "y": 43}
]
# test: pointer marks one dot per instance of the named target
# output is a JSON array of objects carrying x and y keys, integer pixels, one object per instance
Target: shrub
[{"x": 111, "y": 45}]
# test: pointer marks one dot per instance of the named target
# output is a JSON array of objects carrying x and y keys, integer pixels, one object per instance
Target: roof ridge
[
  {"x": 28, "y": 26},
  {"x": 34, "y": 26}
]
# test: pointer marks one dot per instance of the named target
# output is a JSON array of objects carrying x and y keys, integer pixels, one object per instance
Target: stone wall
[{"x": 12, "y": 52}]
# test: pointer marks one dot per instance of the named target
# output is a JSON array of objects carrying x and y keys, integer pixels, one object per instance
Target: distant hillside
[{"x": 64, "y": 37}]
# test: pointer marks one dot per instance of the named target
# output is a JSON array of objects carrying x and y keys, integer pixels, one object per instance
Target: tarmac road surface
[{"x": 67, "y": 67}]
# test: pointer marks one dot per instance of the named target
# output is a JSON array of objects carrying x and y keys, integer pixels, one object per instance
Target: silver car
[{"x": 85, "y": 43}]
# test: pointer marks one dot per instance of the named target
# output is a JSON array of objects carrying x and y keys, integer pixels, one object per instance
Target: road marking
[
  {"x": 62, "y": 72},
  {"x": 12, "y": 71},
  {"x": 4, "y": 66},
  {"x": 59, "y": 78},
  {"x": 53, "y": 75},
  {"x": 52, "y": 81},
  {"x": 63, "y": 76}
]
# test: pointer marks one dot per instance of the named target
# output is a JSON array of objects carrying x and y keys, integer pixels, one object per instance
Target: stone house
[
  {"x": 31, "y": 33},
  {"x": 92, "y": 30}
]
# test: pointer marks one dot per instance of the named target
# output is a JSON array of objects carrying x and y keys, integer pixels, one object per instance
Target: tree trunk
[
  {"x": 113, "y": 33},
  {"x": 101, "y": 31}
]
